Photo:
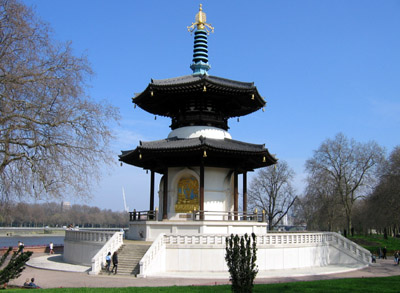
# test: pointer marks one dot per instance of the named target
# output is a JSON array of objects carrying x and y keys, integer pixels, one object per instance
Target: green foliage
[
  {"x": 241, "y": 256},
  {"x": 373, "y": 242},
  {"x": 15, "y": 266},
  {"x": 364, "y": 285}
]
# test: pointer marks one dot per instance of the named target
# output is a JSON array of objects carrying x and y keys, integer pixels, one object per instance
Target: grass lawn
[
  {"x": 373, "y": 242},
  {"x": 381, "y": 285}
]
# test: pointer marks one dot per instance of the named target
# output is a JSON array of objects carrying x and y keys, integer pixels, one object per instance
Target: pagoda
[{"x": 199, "y": 161}]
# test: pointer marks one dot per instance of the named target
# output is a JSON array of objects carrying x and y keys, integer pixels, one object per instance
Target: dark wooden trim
[
  {"x": 201, "y": 190},
  {"x": 152, "y": 190},
  {"x": 245, "y": 194},
  {"x": 235, "y": 195},
  {"x": 165, "y": 195}
]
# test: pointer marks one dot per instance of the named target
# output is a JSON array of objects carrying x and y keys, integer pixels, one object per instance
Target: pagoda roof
[
  {"x": 177, "y": 152},
  {"x": 235, "y": 98}
]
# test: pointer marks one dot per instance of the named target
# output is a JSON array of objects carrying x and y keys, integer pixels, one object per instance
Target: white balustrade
[
  {"x": 92, "y": 236},
  {"x": 113, "y": 241},
  {"x": 154, "y": 259},
  {"x": 281, "y": 239},
  {"x": 151, "y": 254}
]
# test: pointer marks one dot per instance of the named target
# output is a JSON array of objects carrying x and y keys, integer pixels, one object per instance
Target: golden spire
[{"x": 201, "y": 22}]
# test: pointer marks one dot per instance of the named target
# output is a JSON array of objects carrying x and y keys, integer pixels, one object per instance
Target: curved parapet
[{"x": 204, "y": 254}]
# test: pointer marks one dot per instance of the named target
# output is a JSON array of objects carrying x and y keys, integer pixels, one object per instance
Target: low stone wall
[
  {"x": 36, "y": 249},
  {"x": 81, "y": 246},
  {"x": 206, "y": 253}
]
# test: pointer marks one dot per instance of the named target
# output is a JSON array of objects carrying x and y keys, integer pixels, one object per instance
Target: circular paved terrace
[{"x": 53, "y": 272}]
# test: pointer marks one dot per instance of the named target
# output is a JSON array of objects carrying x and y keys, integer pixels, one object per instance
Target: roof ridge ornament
[
  {"x": 201, "y": 23},
  {"x": 200, "y": 65}
]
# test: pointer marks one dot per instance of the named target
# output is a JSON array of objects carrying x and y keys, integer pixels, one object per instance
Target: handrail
[
  {"x": 151, "y": 254},
  {"x": 330, "y": 238},
  {"x": 143, "y": 215},
  {"x": 113, "y": 244},
  {"x": 86, "y": 235},
  {"x": 199, "y": 215},
  {"x": 350, "y": 247}
]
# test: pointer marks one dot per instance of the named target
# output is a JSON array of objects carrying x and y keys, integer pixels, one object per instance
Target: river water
[{"x": 7, "y": 241}]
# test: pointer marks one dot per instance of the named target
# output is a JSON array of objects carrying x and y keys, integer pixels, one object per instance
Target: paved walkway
[{"x": 52, "y": 272}]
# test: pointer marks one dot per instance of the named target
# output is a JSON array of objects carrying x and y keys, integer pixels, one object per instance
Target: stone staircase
[{"x": 129, "y": 256}]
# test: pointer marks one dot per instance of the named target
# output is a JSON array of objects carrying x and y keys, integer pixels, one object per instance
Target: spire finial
[
  {"x": 200, "y": 64},
  {"x": 201, "y": 23}
]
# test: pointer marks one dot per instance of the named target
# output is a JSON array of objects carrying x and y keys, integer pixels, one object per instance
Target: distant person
[
  {"x": 51, "y": 248},
  {"x": 115, "y": 262},
  {"x": 384, "y": 251},
  {"x": 27, "y": 282},
  {"x": 32, "y": 284},
  {"x": 21, "y": 246},
  {"x": 380, "y": 255},
  {"x": 108, "y": 261}
]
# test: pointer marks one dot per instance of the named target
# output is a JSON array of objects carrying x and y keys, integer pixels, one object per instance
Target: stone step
[{"x": 129, "y": 256}]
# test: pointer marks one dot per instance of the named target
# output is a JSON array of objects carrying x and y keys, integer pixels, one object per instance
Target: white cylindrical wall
[{"x": 217, "y": 189}]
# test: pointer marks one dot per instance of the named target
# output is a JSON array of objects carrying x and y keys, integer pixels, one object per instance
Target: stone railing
[
  {"x": 289, "y": 239},
  {"x": 154, "y": 251},
  {"x": 86, "y": 235},
  {"x": 267, "y": 239},
  {"x": 292, "y": 238},
  {"x": 205, "y": 239},
  {"x": 350, "y": 247},
  {"x": 112, "y": 244}
]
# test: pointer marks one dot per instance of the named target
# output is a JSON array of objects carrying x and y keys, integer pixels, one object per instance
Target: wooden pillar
[
  {"x": 235, "y": 195},
  {"x": 165, "y": 195},
  {"x": 152, "y": 191},
  {"x": 245, "y": 195},
  {"x": 201, "y": 190}
]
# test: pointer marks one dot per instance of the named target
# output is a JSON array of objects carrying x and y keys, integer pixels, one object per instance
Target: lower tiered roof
[{"x": 177, "y": 152}]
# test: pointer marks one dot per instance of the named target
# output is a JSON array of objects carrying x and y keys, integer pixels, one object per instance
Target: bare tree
[
  {"x": 320, "y": 206},
  {"x": 349, "y": 168},
  {"x": 383, "y": 205},
  {"x": 271, "y": 190},
  {"x": 53, "y": 139}
]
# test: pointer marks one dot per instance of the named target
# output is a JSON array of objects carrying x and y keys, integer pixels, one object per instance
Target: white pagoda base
[{"x": 149, "y": 230}]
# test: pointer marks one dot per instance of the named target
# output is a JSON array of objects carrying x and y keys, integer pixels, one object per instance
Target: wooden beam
[
  {"x": 245, "y": 194},
  {"x": 235, "y": 195},
  {"x": 165, "y": 195},
  {"x": 202, "y": 190},
  {"x": 152, "y": 190}
]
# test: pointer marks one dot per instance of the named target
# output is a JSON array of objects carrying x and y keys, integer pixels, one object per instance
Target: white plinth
[{"x": 149, "y": 230}]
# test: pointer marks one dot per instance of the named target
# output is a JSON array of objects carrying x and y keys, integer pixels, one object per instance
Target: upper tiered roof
[{"x": 200, "y": 99}]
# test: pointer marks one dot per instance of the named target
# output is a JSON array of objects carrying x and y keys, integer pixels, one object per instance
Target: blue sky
[{"x": 323, "y": 67}]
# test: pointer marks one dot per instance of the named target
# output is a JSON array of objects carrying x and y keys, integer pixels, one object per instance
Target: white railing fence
[
  {"x": 112, "y": 244},
  {"x": 151, "y": 254},
  {"x": 336, "y": 240},
  {"x": 350, "y": 247},
  {"x": 86, "y": 235}
]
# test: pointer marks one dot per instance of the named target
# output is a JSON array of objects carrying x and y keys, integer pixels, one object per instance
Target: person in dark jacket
[
  {"x": 384, "y": 250},
  {"x": 115, "y": 262}
]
